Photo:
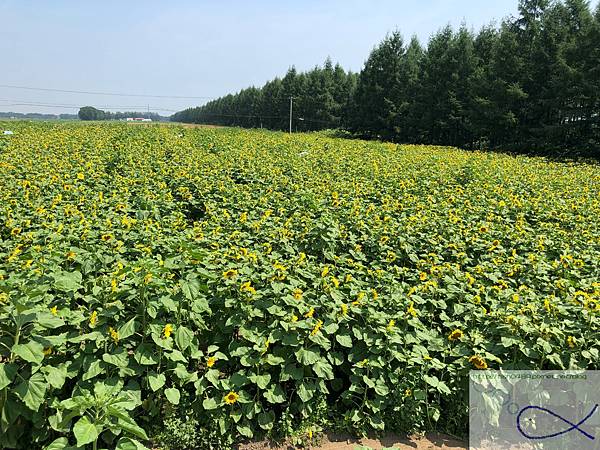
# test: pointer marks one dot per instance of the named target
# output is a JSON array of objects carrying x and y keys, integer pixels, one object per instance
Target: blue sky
[{"x": 197, "y": 48}]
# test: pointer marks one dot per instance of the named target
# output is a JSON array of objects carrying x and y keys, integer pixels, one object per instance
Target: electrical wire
[{"x": 69, "y": 91}]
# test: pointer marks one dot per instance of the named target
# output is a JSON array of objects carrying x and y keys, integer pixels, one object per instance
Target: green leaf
[
  {"x": 127, "y": 329},
  {"x": 273, "y": 360},
  {"x": 145, "y": 356},
  {"x": 443, "y": 388},
  {"x": 156, "y": 381},
  {"x": 344, "y": 340},
  {"x": 7, "y": 374},
  {"x": 323, "y": 370},
  {"x": 183, "y": 337},
  {"x": 377, "y": 423},
  {"x": 382, "y": 389},
  {"x": 85, "y": 431},
  {"x": 60, "y": 444},
  {"x": 55, "y": 376},
  {"x": 262, "y": 381},
  {"x": 245, "y": 430},
  {"x": 266, "y": 419},
  {"x": 275, "y": 394},
  {"x": 32, "y": 352},
  {"x": 307, "y": 356},
  {"x": 57, "y": 444},
  {"x": 176, "y": 356},
  {"x": 32, "y": 391},
  {"x": 306, "y": 391},
  {"x": 238, "y": 380},
  {"x": 67, "y": 281},
  {"x": 94, "y": 370},
  {"x": 185, "y": 376},
  {"x": 190, "y": 288},
  {"x": 212, "y": 375},
  {"x": 129, "y": 444},
  {"x": 331, "y": 328},
  {"x": 209, "y": 404},
  {"x": 47, "y": 320},
  {"x": 431, "y": 380},
  {"x": 129, "y": 425},
  {"x": 172, "y": 395},
  {"x": 292, "y": 371},
  {"x": 420, "y": 394},
  {"x": 118, "y": 358}
]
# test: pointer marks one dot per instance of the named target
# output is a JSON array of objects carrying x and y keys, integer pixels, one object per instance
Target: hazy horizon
[{"x": 195, "y": 48}]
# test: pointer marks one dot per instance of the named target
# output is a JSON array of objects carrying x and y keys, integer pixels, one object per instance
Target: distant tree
[
  {"x": 447, "y": 88},
  {"x": 379, "y": 90},
  {"x": 90, "y": 113},
  {"x": 320, "y": 100}
]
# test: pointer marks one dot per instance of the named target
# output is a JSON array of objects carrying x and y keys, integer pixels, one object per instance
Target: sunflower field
[{"x": 250, "y": 284}]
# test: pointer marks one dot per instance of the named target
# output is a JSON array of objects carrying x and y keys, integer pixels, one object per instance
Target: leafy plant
[{"x": 261, "y": 293}]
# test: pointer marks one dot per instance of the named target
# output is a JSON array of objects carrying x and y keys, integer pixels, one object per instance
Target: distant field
[{"x": 167, "y": 283}]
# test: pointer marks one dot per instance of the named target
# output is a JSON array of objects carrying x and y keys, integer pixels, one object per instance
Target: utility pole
[{"x": 291, "y": 108}]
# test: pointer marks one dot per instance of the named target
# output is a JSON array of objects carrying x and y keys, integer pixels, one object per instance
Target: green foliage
[
  {"x": 91, "y": 113},
  {"x": 321, "y": 98},
  {"x": 179, "y": 434},
  {"x": 255, "y": 284},
  {"x": 529, "y": 85}
]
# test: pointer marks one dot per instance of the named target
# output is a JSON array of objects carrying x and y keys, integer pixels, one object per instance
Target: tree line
[
  {"x": 320, "y": 98},
  {"x": 37, "y": 116},
  {"x": 531, "y": 83},
  {"x": 91, "y": 113}
]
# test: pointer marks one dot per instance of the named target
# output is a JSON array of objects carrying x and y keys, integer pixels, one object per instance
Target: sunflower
[
  {"x": 229, "y": 274},
  {"x": 317, "y": 327},
  {"x": 247, "y": 287},
  {"x": 478, "y": 362},
  {"x": 114, "y": 334},
  {"x": 167, "y": 330},
  {"x": 231, "y": 398},
  {"x": 93, "y": 319},
  {"x": 455, "y": 335},
  {"x": 411, "y": 309},
  {"x": 344, "y": 309}
]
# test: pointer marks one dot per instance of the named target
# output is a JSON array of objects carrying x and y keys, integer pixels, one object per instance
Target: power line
[
  {"x": 51, "y": 105},
  {"x": 34, "y": 103},
  {"x": 30, "y": 88}
]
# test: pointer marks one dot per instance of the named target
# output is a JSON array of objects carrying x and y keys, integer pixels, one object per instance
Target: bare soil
[
  {"x": 184, "y": 125},
  {"x": 431, "y": 441}
]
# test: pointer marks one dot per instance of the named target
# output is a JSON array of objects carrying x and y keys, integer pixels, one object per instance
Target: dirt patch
[
  {"x": 431, "y": 441},
  {"x": 184, "y": 125},
  {"x": 196, "y": 125}
]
